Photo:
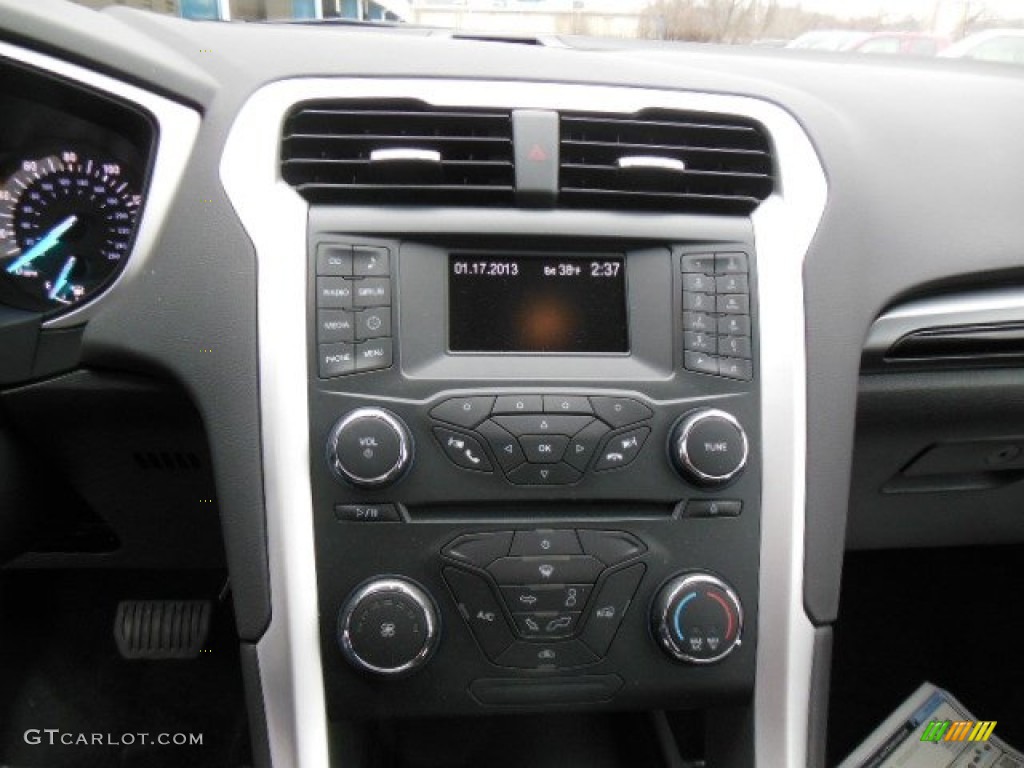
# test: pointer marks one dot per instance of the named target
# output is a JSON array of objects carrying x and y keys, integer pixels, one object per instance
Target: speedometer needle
[
  {"x": 49, "y": 240},
  {"x": 62, "y": 278}
]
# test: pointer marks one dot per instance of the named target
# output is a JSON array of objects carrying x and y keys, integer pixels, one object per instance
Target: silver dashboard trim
[
  {"x": 275, "y": 217},
  {"x": 177, "y": 127}
]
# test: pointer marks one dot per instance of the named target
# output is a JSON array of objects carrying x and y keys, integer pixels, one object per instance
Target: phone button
[
  {"x": 463, "y": 450},
  {"x": 621, "y": 449}
]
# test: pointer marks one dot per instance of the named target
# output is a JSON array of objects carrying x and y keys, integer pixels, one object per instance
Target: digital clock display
[{"x": 531, "y": 303}]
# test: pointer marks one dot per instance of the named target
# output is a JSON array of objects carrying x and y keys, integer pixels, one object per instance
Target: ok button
[{"x": 544, "y": 449}]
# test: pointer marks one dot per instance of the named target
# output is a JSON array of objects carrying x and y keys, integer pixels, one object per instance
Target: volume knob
[
  {"x": 709, "y": 447},
  {"x": 369, "y": 448}
]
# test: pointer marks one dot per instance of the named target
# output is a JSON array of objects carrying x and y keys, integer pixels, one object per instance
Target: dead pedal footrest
[{"x": 162, "y": 629}]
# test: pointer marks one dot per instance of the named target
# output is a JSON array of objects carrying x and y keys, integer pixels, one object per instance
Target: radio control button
[
  {"x": 372, "y": 292},
  {"x": 551, "y": 624},
  {"x": 372, "y": 355},
  {"x": 731, "y": 263},
  {"x": 334, "y": 260},
  {"x": 733, "y": 346},
  {"x": 549, "y": 542},
  {"x": 558, "y": 597},
  {"x": 709, "y": 447},
  {"x": 566, "y": 404},
  {"x": 373, "y": 323},
  {"x": 698, "y": 262},
  {"x": 699, "y": 321},
  {"x": 620, "y": 411},
  {"x": 698, "y": 302},
  {"x": 333, "y": 293},
  {"x": 700, "y": 362},
  {"x": 541, "y": 424},
  {"x": 479, "y": 549},
  {"x": 503, "y": 445},
  {"x": 462, "y": 450},
  {"x": 622, "y": 449},
  {"x": 368, "y": 260},
  {"x": 334, "y": 325},
  {"x": 481, "y": 611},
  {"x": 733, "y": 304},
  {"x": 518, "y": 404},
  {"x": 734, "y": 325},
  {"x": 732, "y": 284},
  {"x": 732, "y": 368},
  {"x": 699, "y": 283},
  {"x": 609, "y": 606},
  {"x": 544, "y": 449},
  {"x": 369, "y": 448},
  {"x": 533, "y": 655},
  {"x": 611, "y": 547},
  {"x": 544, "y": 474},
  {"x": 584, "y": 445},
  {"x": 556, "y": 569},
  {"x": 463, "y": 411},
  {"x": 700, "y": 342},
  {"x": 336, "y": 360}
]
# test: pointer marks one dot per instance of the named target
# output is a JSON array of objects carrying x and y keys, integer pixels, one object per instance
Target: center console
[{"x": 535, "y": 464}]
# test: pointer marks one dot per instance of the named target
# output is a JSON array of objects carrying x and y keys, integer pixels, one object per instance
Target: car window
[
  {"x": 1009, "y": 50},
  {"x": 881, "y": 45}
]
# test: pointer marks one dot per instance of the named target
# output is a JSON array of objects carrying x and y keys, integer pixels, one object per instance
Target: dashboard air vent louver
[
  {"x": 660, "y": 160},
  {"x": 398, "y": 152}
]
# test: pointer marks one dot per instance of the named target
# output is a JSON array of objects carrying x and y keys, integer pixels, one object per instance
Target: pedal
[{"x": 162, "y": 629}]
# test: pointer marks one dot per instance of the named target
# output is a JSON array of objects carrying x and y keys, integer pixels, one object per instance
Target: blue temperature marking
[
  {"x": 49, "y": 240},
  {"x": 679, "y": 614},
  {"x": 62, "y": 278}
]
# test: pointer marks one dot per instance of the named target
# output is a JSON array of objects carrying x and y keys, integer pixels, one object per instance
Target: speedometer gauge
[{"x": 66, "y": 227}]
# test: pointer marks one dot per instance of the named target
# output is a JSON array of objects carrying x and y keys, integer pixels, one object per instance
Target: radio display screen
[{"x": 537, "y": 304}]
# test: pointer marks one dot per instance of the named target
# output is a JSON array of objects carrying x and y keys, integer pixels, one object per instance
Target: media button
[
  {"x": 544, "y": 449},
  {"x": 333, "y": 325}
]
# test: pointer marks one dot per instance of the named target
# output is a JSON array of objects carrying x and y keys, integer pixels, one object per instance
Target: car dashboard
[{"x": 520, "y": 387}]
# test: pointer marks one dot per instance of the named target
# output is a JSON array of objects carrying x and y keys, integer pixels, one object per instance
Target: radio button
[
  {"x": 731, "y": 263},
  {"x": 609, "y": 606},
  {"x": 734, "y": 325},
  {"x": 611, "y": 547},
  {"x": 544, "y": 449},
  {"x": 372, "y": 355},
  {"x": 620, "y": 411},
  {"x": 544, "y": 474},
  {"x": 583, "y": 446},
  {"x": 560, "y": 597},
  {"x": 503, "y": 445},
  {"x": 699, "y": 321},
  {"x": 698, "y": 302},
  {"x": 622, "y": 449},
  {"x": 372, "y": 292},
  {"x": 518, "y": 404},
  {"x": 481, "y": 610},
  {"x": 336, "y": 360},
  {"x": 555, "y": 569},
  {"x": 700, "y": 342},
  {"x": 698, "y": 262},
  {"x": 548, "y": 624},
  {"x": 368, "y": 260},
  {"x": 733, "y": 304},
  {"x": 479, "y": 549},
  {"x": 732, "y": 284},
  {"x": 333, "y": 325},
  {"x": 699, "y": 283},
  {"x": 700, "y": 362},
  {"x": 733, "y": 346},
  {"x": 550, "y": 542},
  {"x": 566, "y": 404},
  {"x": 462, "y": 450},
  {"x": 333, "y": 293},
  {"x": 334, "y": 260},
  {"x": 533, "y": 655},
  {"x": 373, "y": 323},
  {"x": 463, "y": 411},
  {"x": 543, "y": 425}
]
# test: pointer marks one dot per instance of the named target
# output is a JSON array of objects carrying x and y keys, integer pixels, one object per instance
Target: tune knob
[
  {"x": 697, "y": 618},
  {"x": 709, "y": 447},
  {"x": 369, "y": 448},
  {"x": 388, "y": 626}
]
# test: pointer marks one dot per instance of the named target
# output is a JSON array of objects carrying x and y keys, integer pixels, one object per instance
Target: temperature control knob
[
  {"x": 388, "y": 626},
  {"x": 697, "y": 618},
  {"x": 369, "y": 448},
  {"x": 709, "y": 447}
]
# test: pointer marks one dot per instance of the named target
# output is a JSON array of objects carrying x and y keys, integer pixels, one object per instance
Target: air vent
[
  {"x": 664, "y": 161},
  {"x": 398, "y": 152}
]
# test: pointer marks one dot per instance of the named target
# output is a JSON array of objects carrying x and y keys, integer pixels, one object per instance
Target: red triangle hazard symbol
[{"x": 537, "y": 154}]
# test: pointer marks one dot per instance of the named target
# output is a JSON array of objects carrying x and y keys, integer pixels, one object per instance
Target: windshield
[{"x": 989, "y": 30}]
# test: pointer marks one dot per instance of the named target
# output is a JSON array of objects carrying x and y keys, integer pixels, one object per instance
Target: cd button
[
  {"x": 544, "y": 474},
  {"x": 566, "y": 404},
  {"x": 543, "y": 425},
  {"x": 544, "y": 449},
  {"x": 463, "y": 411},
  {"x": 334, "y": 260},
  {"x": 518, "y": 404},
  {"x": 551, "y": 542},
  {"x": 622, "y": 449}
]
